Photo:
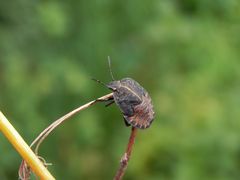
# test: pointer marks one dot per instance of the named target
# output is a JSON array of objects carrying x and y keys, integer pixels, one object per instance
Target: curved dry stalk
[
  {"x": 125, "y": 158},
  {"x": 24, "y": 171}
]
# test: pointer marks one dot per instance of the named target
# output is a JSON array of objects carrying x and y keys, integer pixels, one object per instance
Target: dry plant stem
[
  {"x": 56, "y": 123},
  {"x": 24, "y": 172},
  {"x": 125, "y": 158}
]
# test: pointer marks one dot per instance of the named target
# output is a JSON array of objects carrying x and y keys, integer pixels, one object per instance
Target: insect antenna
[
  {"x": 110, "y": 68},
  {"x": 100, "y": 82}
]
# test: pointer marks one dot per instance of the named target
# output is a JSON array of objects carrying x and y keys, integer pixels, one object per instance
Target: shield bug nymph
[{"x": 133, "y": 101}]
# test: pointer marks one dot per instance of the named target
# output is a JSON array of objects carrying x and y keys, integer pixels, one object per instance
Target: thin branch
[
  {"x": 56, "y": 123},
  {"x": 24, "y": 170},
  {"x": 125, "y": 158}
]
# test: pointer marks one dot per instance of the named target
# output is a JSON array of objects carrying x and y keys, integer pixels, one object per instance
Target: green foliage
[{"x": 185, "y": 53}]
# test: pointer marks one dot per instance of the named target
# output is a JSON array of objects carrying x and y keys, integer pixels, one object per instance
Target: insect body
[{"x": 133, "y": 101}]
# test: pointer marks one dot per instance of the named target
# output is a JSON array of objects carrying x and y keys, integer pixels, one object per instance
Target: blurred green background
[{"x": 184, "y": 52}]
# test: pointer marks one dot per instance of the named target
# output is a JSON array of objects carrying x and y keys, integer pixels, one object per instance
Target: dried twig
[
  {"x": 125, "y": 158},
  {"x": 24, "y": 171}
]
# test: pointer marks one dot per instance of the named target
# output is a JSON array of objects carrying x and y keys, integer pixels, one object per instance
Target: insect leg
[
  {"x": 126, "y": 122},
  {"x": 109, "y": 103}
]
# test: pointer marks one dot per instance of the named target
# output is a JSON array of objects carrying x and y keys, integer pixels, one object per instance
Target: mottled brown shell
[
  {"x": 143, "y": 114},
  {"x": 134, "y": 102}
]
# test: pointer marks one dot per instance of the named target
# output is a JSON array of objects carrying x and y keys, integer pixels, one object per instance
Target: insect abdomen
[{"x": 143, "y": 114}]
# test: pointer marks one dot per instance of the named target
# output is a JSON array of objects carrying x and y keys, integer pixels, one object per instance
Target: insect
[{"x": 133, "y": 101}]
